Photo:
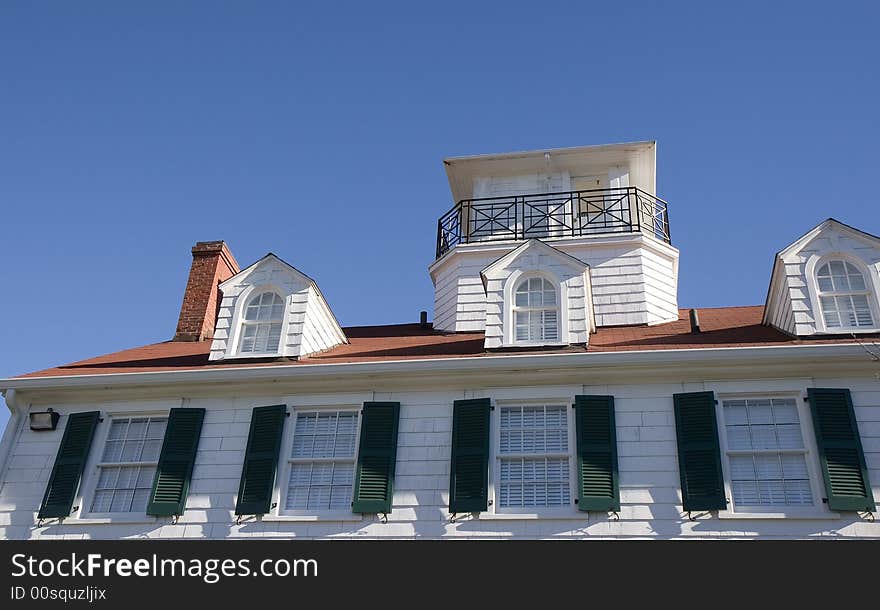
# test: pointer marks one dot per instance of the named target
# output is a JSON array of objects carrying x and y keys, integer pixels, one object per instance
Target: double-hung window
[
  {"x": 536, "y": 311},
  {"x": 128, "y": 464},
  {"x": 322, "y": 461},
  {"x": 767, "y": 456},
  {"x": 533, "y": 465}
]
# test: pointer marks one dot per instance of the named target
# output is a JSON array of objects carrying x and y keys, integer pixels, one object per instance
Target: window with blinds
[
  {"x": 261, "y": 324},
  {"x": 128, "y": 464},
  {"x": 533, "y": 457},
  {"x": 536, "y": 311},
  {"x": 844, "y": 296},
  {"x": 766, "y": 453},
  {"x": 322, "y": 461}
]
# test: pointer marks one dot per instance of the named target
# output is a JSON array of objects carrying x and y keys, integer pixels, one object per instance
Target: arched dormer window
[
  {"x": 261, "y": 324},
  {"x": 535, "y": 311},
  {"x": 844, "y": 295}
]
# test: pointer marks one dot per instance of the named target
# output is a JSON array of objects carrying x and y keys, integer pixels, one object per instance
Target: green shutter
[
  {"x": 171, "y": 483},
  {"x": 840, "y": 450},
  {"x": 260, "y": 461},
  {"x": 377, "y": 454},
  {"x": 469, "y": 470},
  {"x": 699, "y": 456},
  {"x": 598, "y": 485},
  {"x": 69, "y": 465}
]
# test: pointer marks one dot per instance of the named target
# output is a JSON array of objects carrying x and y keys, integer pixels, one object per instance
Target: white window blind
[
  {"x": 533, "y": 462},
  {"x": 261, "y": 326},
  {"x": 128, "y": 464},
  {"x": 322, "y": 460},
  {"x": 844, "y": 296},
  {"x": 536, "y": 311},
  {"x": 766, "y": 454}
]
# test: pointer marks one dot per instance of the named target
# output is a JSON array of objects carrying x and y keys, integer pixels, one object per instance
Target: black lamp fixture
[{"x": 44, "y": 420}]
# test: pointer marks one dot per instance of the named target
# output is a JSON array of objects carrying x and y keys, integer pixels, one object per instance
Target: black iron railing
[{"x": 572, "y": 214}]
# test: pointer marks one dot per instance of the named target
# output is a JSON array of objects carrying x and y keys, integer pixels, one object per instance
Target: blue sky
[{"x": 128, "y": 131}]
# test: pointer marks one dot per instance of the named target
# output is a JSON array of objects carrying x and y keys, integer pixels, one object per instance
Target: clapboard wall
[{"x": 649, "y": 478}]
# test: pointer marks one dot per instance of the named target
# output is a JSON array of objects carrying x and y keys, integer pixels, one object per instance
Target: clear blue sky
[{"x": 128, "y": 131}]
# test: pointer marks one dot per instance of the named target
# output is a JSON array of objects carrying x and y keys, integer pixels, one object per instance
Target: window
[
  {"x": 128, "y": 464},
  {"x": 766, "y": 454},
  {"x": 844, "y": 296},
  {"x": 535, "y": 311},
  {"x": 322, "y": 461},
  {"x": 261, "y": 328},
  {"x": 533, "y": 460}
]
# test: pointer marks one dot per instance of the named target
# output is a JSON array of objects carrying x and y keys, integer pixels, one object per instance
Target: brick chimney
[{"x": 212, "y": 263}]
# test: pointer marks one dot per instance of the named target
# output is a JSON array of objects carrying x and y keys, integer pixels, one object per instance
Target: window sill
[
  {"x": 526, "y": 344},
  {"x": 114, "y": 520},
  {"x": 313, "y": 518},
  {"x": 566, "y": 516},
  {"x": 812, "y": 516}
]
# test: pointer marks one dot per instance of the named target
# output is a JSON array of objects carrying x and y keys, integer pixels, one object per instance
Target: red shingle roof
[{"x": 721, "y": 327}]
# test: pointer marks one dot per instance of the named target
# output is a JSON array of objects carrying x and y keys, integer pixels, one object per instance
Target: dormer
[
  {"x": 273, "y": 310},
  {"x": 825, "y": 283},
  {"x": 595, "y": 204},
  {"x": 537, "y": 295}
]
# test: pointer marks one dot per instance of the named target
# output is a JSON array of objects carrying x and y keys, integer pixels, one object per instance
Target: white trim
[
  {"x": 662, "y": 360},
  {"x": 323, "y": 517},
  {"x": 502, "y": 248}
]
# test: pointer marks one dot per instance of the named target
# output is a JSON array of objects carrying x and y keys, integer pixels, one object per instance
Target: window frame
[
  {"x": 510, "y": 308},
  {"x": 238, "y": 321},
  {"x": 869, "y": 273},
  {"x": 495, "y": 457},
  {"x": 92, "y": 474},
  {"x": 819, "y": 508},
  {"x": 283, "y": 480}
]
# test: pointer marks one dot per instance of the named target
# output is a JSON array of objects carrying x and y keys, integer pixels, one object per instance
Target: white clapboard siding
[
  {"x": 634, "y": 279},
  {"x": 309, "y": 323},
  {"x": 792, "y": 304},
  {"x": 649, "y": 479}
]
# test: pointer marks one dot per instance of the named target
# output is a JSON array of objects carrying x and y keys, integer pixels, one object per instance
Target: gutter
[
  {"x": 12, "y": 429},
  {"x": 673, "y": 358}
]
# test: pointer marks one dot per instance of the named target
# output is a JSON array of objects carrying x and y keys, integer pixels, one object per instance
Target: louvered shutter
[
  {"x": 469, "y": 470},
  {"x": 598, "y": 486},
  {"x": 69, "y": 465},
  {"x": 260, "y": 461},
  {"x": 173, "y": 473},
  {"x": 377, "y": 454},
  {"x": 840, "y": 450},
  {"x": 699, "y": 456}
]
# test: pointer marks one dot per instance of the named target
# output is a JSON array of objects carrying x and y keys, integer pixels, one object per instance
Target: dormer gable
[
  {"x": 271, "y": 310},
  {"x": 537, "y": 295},
  {"x": 826, "y": 282}
]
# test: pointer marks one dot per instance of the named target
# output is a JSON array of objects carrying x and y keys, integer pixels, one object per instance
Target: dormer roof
[
  {"x": 308, "y": 326},
  {"x": 792, "y": 303},
  {"x": 537, "y": 248}
]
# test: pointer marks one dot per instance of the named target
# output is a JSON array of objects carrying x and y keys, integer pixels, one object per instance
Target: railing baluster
[{"x": 491, "y": 218}]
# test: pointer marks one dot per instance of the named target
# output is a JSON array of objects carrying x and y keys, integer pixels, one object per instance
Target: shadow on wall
[{"x": 653, "y": 517}]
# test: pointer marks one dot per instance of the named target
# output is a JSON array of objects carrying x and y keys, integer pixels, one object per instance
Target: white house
[{"x": 559, "y": 393}]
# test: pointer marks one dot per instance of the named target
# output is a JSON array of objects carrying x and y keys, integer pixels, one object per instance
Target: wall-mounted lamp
[{"x": 44, "y": 420}]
